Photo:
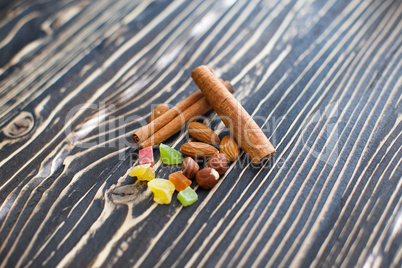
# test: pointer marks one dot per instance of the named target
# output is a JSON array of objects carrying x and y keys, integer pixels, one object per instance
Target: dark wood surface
[{"x": 322, "y": 78}]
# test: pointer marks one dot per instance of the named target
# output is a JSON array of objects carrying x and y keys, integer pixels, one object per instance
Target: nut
[
  {"x": 207, "y": 178},
  {"x": 219, "y": 162},
  {"x": 198, "y": 149},
  {"x": 229, "y": 148},
  {"x": 158, "y": 111},
  {"x": 203, "y": 133},
  {"x": 189, "y": 167},
  {"x": 228, "y": 85}
]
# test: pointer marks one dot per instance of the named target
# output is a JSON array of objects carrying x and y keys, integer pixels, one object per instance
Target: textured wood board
[{"x": 322, "y": 78}]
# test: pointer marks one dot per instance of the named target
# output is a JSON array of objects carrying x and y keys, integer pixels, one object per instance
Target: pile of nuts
[
  {"x": 206, "y": 178},
  {"x": 217, "y": 163}
]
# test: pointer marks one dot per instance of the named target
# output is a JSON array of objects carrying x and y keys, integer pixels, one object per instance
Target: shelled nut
[
  {"x": 207, "y": 178},
  {"x": 189, "y": 167},
  {"x": 219, "y": 162},
  {"x": 198, "y": 149},
  {"x": 158, "y": 111},
  {"x": 203, "y": 133},
  {"x": 229, "y": 148}
]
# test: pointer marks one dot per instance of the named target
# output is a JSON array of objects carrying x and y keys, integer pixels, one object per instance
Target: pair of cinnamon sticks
[
  {"x": 173, "y": 120},
  {"x": 217, "y": 94}
]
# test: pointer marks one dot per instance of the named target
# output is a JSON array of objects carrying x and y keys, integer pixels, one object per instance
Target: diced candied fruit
[
  {"x": 169, "y": 156},
  {"x": 143, "y": 172},
  {"x": 187, "y": 197},
  {"x": 146, "y": 156},
  {"x": 179, "y": 180},
  {"x": 139, "y": 170},
  {"x": 162, "y": 189}
]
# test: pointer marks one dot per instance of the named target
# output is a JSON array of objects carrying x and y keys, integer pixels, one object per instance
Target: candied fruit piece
[
  {"x": 148, "y": 175},
  {"x": 139, "y": 170},
  {"x": 169, "y": 156},
  {"x": 146, "y": 156},
  {"x": 187, "y": 197},
  {"x": 179, "y": 180},
  {"x": 162, "y": 189},
  {"x": 143, "y": 172}
]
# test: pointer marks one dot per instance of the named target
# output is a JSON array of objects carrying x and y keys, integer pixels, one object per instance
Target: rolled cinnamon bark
[
  {"x": 244, "y": 129},
  {"x": 199, "y": 108},
  {"x": 155, "y": 125}
]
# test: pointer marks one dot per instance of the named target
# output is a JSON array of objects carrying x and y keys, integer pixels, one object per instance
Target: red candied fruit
[{"x": 146, "y": 156}]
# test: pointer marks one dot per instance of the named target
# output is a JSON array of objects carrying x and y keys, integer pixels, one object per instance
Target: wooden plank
[{"x": 322, "y": 79}]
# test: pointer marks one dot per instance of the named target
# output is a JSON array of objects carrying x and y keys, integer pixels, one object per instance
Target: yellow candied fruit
[
  {"x": 162, "y": 189},
  {"x": 143, "y": 172}
]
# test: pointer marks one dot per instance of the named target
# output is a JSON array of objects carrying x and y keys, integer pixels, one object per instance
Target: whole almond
[
  {"x": 158, "y": 111},
  {"x": 203, "y": 133},
  {"x": 229, "y": 148},
  {"x": 198, "y": 149}
]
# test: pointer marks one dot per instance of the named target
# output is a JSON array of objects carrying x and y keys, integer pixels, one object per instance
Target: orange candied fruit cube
[{"x": 179, "y": 180}]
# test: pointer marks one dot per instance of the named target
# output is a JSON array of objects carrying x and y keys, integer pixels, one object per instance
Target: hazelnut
[
  {"x": 207, "y": 177},
  {"x": 189, "y": 167},
  {"x": 219, "y": 162},
  {"x": 158, "y": 111}
]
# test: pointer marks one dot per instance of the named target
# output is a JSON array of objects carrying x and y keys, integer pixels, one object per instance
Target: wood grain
[{"x": 322, "y": 79}]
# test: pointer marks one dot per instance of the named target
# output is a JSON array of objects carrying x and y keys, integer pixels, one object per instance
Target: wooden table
[{"x": 322, "y": 79}]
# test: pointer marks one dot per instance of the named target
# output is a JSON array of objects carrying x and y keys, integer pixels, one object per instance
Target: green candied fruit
[
  {"x": 187, "y": 197},
  {"x": 169, "y": 156}
]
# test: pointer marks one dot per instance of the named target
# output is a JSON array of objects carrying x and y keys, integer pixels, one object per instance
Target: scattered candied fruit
[
  {"x": 169, "y": 156},
  {"x": 143, "y": 172},
  {"x": 146, "y": 156},
  {"x": 187, "y": 197},
  {"x": 162, "y": 189},
  {"x": 179, "y": 180}
]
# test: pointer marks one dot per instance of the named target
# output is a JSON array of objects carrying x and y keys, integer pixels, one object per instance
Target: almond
[
  {"x": 229, "y": 148},
  {"x": 198, "y": 149},
  {"x": 158, "y": 111},
  {"x": 203, "y": 133}
]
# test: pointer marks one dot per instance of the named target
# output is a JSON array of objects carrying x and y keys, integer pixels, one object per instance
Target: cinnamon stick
[
  {"x": 197, "y": 109},
  {"x": 146, "y": 131},
  {"x": 244, "y": 129}
]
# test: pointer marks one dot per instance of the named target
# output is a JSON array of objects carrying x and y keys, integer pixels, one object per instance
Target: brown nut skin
[
  {"x": 203, "y": 133},
  {"x": 189, "y": 167},
  {"x": 219, "y": 162},
  {"x": 198, "y": 149},
  {"x": 207, "y": 178},
  {"x": 229, "y": 148},
  {"x": 159, "y": 110}
]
